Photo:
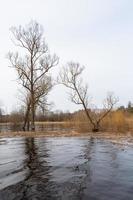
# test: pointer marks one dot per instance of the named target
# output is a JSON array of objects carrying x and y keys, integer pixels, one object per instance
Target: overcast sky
[{"x": 96, "y": 33}]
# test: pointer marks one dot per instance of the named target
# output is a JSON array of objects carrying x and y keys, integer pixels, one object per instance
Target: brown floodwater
[{"x": 65, "y": 168}]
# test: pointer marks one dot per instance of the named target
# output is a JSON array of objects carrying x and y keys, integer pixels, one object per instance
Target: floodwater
[
  {"x": 65, "y": 168},
  {"x": 10, "y": 127}
]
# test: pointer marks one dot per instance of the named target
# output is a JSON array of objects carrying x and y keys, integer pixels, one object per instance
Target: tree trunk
[
  {"x": 96, "y": 127},
  {"x": 32, "y": 96},
  {"x": 26, "y": 119},
  {"x": 32, "y": 113}
]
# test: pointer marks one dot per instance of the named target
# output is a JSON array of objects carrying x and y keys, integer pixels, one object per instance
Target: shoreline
[
  {"x": 122, "y": 140},
  {"x": 114, "y": 136}
]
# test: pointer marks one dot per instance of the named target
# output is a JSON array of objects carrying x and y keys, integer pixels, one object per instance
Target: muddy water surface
[{"x": 65, "y": 168}]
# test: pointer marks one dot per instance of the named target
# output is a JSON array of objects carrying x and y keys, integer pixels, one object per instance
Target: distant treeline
[{"x": 57, "y": 116}]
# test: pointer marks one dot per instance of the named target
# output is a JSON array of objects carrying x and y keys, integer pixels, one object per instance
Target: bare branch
[{"x": 32, "y": 68}]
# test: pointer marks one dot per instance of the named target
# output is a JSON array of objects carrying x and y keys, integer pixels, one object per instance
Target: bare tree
[
  {"x": 40, "y": 99},
  {"x": 32, "y": 68},
  {"x": 70, "y": 77}
]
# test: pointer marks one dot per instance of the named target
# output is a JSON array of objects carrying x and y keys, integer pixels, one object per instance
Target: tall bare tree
[
  {"x": 70, "y": 76},
  {"x": 34, "y": 63}
]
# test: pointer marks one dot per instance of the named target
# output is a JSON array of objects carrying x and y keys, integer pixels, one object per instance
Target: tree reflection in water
[{"x": 37, "y": 183}]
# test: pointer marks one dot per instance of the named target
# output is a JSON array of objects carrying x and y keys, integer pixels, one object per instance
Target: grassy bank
[{"x": 72, "y": 133}]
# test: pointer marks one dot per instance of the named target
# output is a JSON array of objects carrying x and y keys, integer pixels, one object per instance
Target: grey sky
[{"x": 96, "y": 33}]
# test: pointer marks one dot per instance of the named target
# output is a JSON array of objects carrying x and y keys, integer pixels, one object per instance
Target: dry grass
[
  {"x": 116, "y": 124},
  {"x": 48, "y": 122},
  {"x": 117, "y": 121},
  {"x": 41, "y": 134}
]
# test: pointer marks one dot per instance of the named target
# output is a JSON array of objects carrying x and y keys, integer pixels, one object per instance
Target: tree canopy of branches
[
  {"x": 32, "y": 66},
  {"x": 70, "y": 76}
]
